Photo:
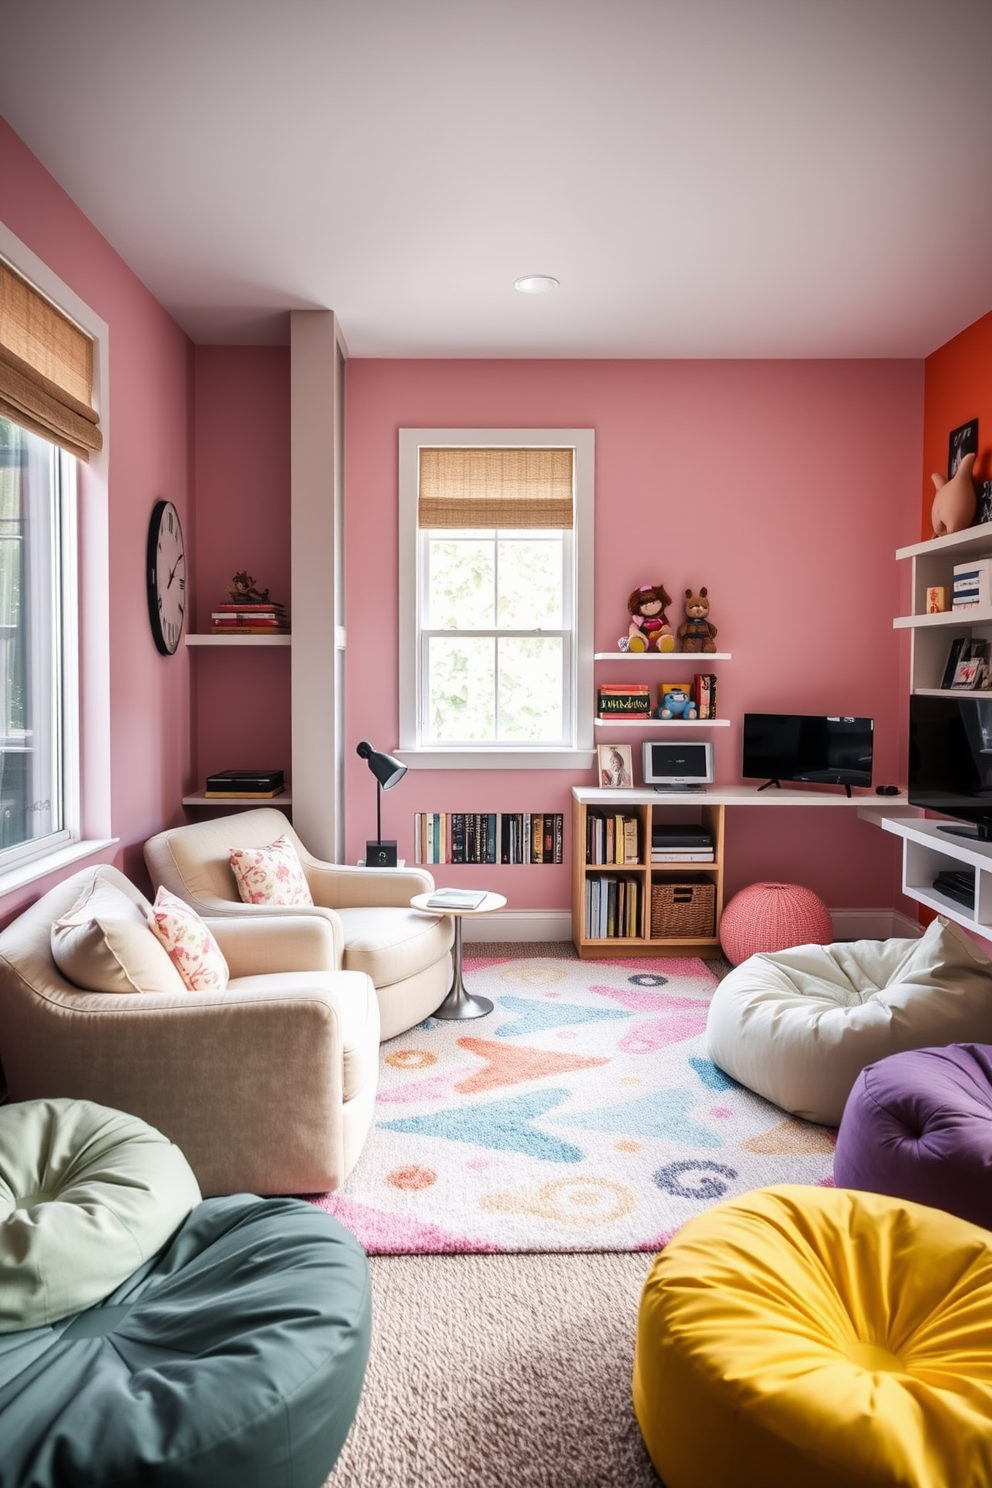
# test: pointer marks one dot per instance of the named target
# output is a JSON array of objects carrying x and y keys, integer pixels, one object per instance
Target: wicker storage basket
[{"x": 683, "y": 909}]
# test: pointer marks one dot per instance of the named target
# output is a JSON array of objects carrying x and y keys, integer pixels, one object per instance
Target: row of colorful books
[
  {"x": 245, "y": 617},
  {"x": 489, "y": 837},
  {"x": 613, "y": 908},
  {"x": 634, "y": 700},
  {"x": 612, "y": 838}
]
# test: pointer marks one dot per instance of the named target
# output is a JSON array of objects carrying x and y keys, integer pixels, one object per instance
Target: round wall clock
[{"x": 165, "y": 571}]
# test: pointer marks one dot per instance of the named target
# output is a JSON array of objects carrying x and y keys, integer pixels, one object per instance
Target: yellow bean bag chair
[{"x": 818, "y": 1338}]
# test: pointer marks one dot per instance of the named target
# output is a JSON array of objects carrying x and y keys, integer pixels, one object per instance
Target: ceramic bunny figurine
[{"x": 954, "y": 504}]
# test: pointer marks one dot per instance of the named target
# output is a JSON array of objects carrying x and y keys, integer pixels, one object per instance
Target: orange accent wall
[{"x": 957, "y": 386}]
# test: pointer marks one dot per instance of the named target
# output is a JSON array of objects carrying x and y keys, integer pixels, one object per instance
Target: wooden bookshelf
[{"x": 647, "y": 808}]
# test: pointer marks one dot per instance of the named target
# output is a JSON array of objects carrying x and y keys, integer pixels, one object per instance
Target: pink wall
[
  {"x": 241, "y": 708},
  {"x": 149, "y": 368},
  {"x": 785, "y": 487}
]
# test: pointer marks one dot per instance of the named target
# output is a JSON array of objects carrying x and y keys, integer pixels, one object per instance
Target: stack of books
[
  {"x": 241, "y": 783},
  {"x": 250, "y": 617},
  {"x": 489, "y": 837},
  {"x": 681, "y": 844},
  {"x": 704, "y": 694},
  {"x": 623, "y": 700}
]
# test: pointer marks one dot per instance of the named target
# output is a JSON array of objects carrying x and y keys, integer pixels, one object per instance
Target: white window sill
[
  {"x": 53, "y": 862},
  {"x": 497, "y": 759}
]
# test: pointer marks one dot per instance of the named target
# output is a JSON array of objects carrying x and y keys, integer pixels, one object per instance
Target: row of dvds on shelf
[{"x": 489, "y": 837}]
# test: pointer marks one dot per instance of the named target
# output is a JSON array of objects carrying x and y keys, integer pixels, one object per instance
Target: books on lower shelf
[
  {"x": 267, "y": 617},
  {"x": 613, "y": 908},
  {"x": 489, "y": 837}
]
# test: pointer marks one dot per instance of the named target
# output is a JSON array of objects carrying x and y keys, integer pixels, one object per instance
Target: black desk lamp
[{"x": 388, "y": 772}]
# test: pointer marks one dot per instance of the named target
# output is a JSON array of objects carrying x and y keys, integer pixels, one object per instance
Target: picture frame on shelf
[
  {"x": 984, "y": 513},
  {"x": 972, "y": 666},
  {"x": 953, "y": 657},
  {"x": 615, "y": 766},
  {"x": 960, "y": 442}
]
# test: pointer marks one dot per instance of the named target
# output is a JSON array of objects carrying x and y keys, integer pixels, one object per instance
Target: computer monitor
[{"x": 687, "y": 766}]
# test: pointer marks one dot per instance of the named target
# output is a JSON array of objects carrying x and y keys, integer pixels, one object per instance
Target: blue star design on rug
[
  {"x": 538, "y": 1017},
  {"x": 663, "y": 1114},
  {"x": 712, "y": 1076},
  {"x": 505, "y": 1126}
]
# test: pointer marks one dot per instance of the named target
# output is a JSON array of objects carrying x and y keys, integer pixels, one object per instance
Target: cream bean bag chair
[{"x": 799, "y": 1026}]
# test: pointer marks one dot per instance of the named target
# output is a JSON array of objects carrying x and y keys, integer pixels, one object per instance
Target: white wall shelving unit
[{"x": 930, "y": 846}]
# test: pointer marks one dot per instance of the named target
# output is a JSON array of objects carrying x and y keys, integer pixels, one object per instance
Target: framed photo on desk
[{"x": 615, "y": 766}]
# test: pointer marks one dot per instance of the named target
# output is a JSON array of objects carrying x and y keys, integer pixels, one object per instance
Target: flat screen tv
[
  {"x": 678, "y": 766},
  {"x": 804, "y": 747},
  {"x": 950, "y": 760}
]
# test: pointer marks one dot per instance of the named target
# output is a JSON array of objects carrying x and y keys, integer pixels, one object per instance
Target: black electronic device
[
  {"x": 950, "y": 761},
  {"x": 886, "y": 790},
  {"x": 822, "y": 750},
  {"x": 957, "y": 885}
]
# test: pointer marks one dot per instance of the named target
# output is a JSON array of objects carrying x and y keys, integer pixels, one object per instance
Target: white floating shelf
[
  {"x": 661, "y": 722},
  {"x": 661, "y": 656},
  {"x": 974, "y": 615},
  {"x": 239, "y": 640},
  {"x": 971, "y": 540},
  {"x": 285, "y": 799}
]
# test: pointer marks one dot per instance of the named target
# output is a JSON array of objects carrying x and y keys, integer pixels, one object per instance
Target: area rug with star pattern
[{"x": 580, "y": 1114}]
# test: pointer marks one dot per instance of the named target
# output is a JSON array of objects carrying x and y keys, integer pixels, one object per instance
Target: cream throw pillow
[
  {"x": 104, "y": 944},
  {"x": 189, "y": 943},
  {"x": 270, "y": 875}
]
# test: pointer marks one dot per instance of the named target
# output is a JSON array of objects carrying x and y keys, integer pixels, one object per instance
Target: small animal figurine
[
  {"x": 696, "y": 632},
  {"x": 649, "y": 625},
  {"x": 954, "y": 503},
  {"x": 243, "y": 587},
  {"x": 676, "y": 703}
]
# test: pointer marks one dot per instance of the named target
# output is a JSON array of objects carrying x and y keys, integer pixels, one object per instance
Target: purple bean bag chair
[{"x": 918, "y": 1126}]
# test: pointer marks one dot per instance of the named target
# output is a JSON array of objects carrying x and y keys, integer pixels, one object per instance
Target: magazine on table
[{"x": 457, "y": 898}]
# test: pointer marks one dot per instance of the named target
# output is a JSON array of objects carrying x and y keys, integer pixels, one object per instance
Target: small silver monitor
[{"x": 678, "y": 766}]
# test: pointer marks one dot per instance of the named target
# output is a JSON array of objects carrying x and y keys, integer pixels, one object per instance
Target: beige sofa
[
  {"x": 267, "y": 1087},
  {"x": 405, "y": 952}
]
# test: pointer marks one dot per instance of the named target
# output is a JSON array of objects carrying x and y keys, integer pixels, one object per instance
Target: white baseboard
[
  {"x": 556, "y": 924},
  {"x": 519, "y": 924},
  {"x": 874, "y": 924}
]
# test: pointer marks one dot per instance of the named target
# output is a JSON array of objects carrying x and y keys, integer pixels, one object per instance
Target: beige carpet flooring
[{"x": 509, "y": 1371}]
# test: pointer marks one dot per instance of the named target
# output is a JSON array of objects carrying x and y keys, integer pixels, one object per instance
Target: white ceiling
[{"x": 707, "y": 178}]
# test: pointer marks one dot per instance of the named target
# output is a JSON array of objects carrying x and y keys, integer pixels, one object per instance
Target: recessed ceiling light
[{"x": 535, "y": 284}]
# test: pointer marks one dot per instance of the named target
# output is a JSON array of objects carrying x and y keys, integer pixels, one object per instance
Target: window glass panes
[
  {"x": 31, "y": 640},
  {"x": 530, "y": 689},
  {"x": 461, "y": 583},
  {"x": 530, "y": 583},
  {"x": 461, "y": 688}
]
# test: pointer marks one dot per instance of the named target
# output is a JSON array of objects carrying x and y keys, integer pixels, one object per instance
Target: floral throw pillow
[
  {"x": 192, "y": 948},
  {"x": 270, "y": 875}
]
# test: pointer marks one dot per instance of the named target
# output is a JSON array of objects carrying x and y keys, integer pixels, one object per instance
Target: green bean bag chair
[{"x": 232, "y": 1359}]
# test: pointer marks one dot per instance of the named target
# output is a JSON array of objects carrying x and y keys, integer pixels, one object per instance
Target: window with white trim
[{"x": 496, "y": 568}]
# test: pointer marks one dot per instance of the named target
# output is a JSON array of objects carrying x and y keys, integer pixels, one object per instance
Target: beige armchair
[
  {"x": 267, "y": 1087},
  {"x": 405, "y": 952}
]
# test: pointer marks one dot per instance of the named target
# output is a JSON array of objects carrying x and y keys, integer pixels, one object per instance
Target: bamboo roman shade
[
  {"x": 466, "y": 487},
  {"x": 46, "y": 369}
]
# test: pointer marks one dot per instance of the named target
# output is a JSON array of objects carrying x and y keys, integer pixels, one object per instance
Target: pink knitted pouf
[{"x": 772, "y": 917}]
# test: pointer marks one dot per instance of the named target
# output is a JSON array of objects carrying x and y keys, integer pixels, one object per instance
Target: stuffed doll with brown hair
[{"x": 649, "y": 627}]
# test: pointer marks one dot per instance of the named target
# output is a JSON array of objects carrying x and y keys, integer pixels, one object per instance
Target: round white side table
[{"x": 460, "y": 1003}]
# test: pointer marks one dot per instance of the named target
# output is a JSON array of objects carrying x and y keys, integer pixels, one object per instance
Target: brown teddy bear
[{"x": 696, "y": 633}]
